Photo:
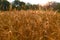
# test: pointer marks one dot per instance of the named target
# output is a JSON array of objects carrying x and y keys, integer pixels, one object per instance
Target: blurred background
[{"x": 29, "y": 4}]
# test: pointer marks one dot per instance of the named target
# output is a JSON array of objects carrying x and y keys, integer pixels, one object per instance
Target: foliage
[
  {"x": 19, "y": 5},
  {"x": 56, "y": 6}
]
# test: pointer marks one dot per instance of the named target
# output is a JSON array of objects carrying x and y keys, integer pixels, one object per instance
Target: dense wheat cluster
[{"x": 29, "y": 25}]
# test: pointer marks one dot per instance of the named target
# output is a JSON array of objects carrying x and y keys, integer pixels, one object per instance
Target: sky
[{"x": 42, "y": 2}]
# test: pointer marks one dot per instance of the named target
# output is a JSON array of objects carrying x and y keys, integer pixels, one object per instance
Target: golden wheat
[{"x": 29, "y": 25}]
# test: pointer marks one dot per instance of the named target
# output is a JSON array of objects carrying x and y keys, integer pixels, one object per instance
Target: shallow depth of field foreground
[{"x": 29, "y": 25}]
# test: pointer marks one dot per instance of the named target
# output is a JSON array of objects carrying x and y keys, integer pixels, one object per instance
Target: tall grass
[{"x": 29, "y": 25}]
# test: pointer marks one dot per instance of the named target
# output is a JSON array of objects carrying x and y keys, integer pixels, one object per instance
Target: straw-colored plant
[{"x": 29, "y": 25}]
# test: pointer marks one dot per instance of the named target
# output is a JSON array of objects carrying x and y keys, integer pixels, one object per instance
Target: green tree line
[
  {"x": 16, "y": 4},
  {"x": 19, "y": 5}
]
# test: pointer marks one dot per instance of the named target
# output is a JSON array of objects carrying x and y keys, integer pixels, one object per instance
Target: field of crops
[{"x": 29, "y": 25}]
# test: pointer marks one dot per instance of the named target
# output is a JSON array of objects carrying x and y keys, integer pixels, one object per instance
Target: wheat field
[{"x": 29, "y": 25}]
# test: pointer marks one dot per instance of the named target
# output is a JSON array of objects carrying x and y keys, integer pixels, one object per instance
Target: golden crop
[{"x": 29, "y": 25}]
